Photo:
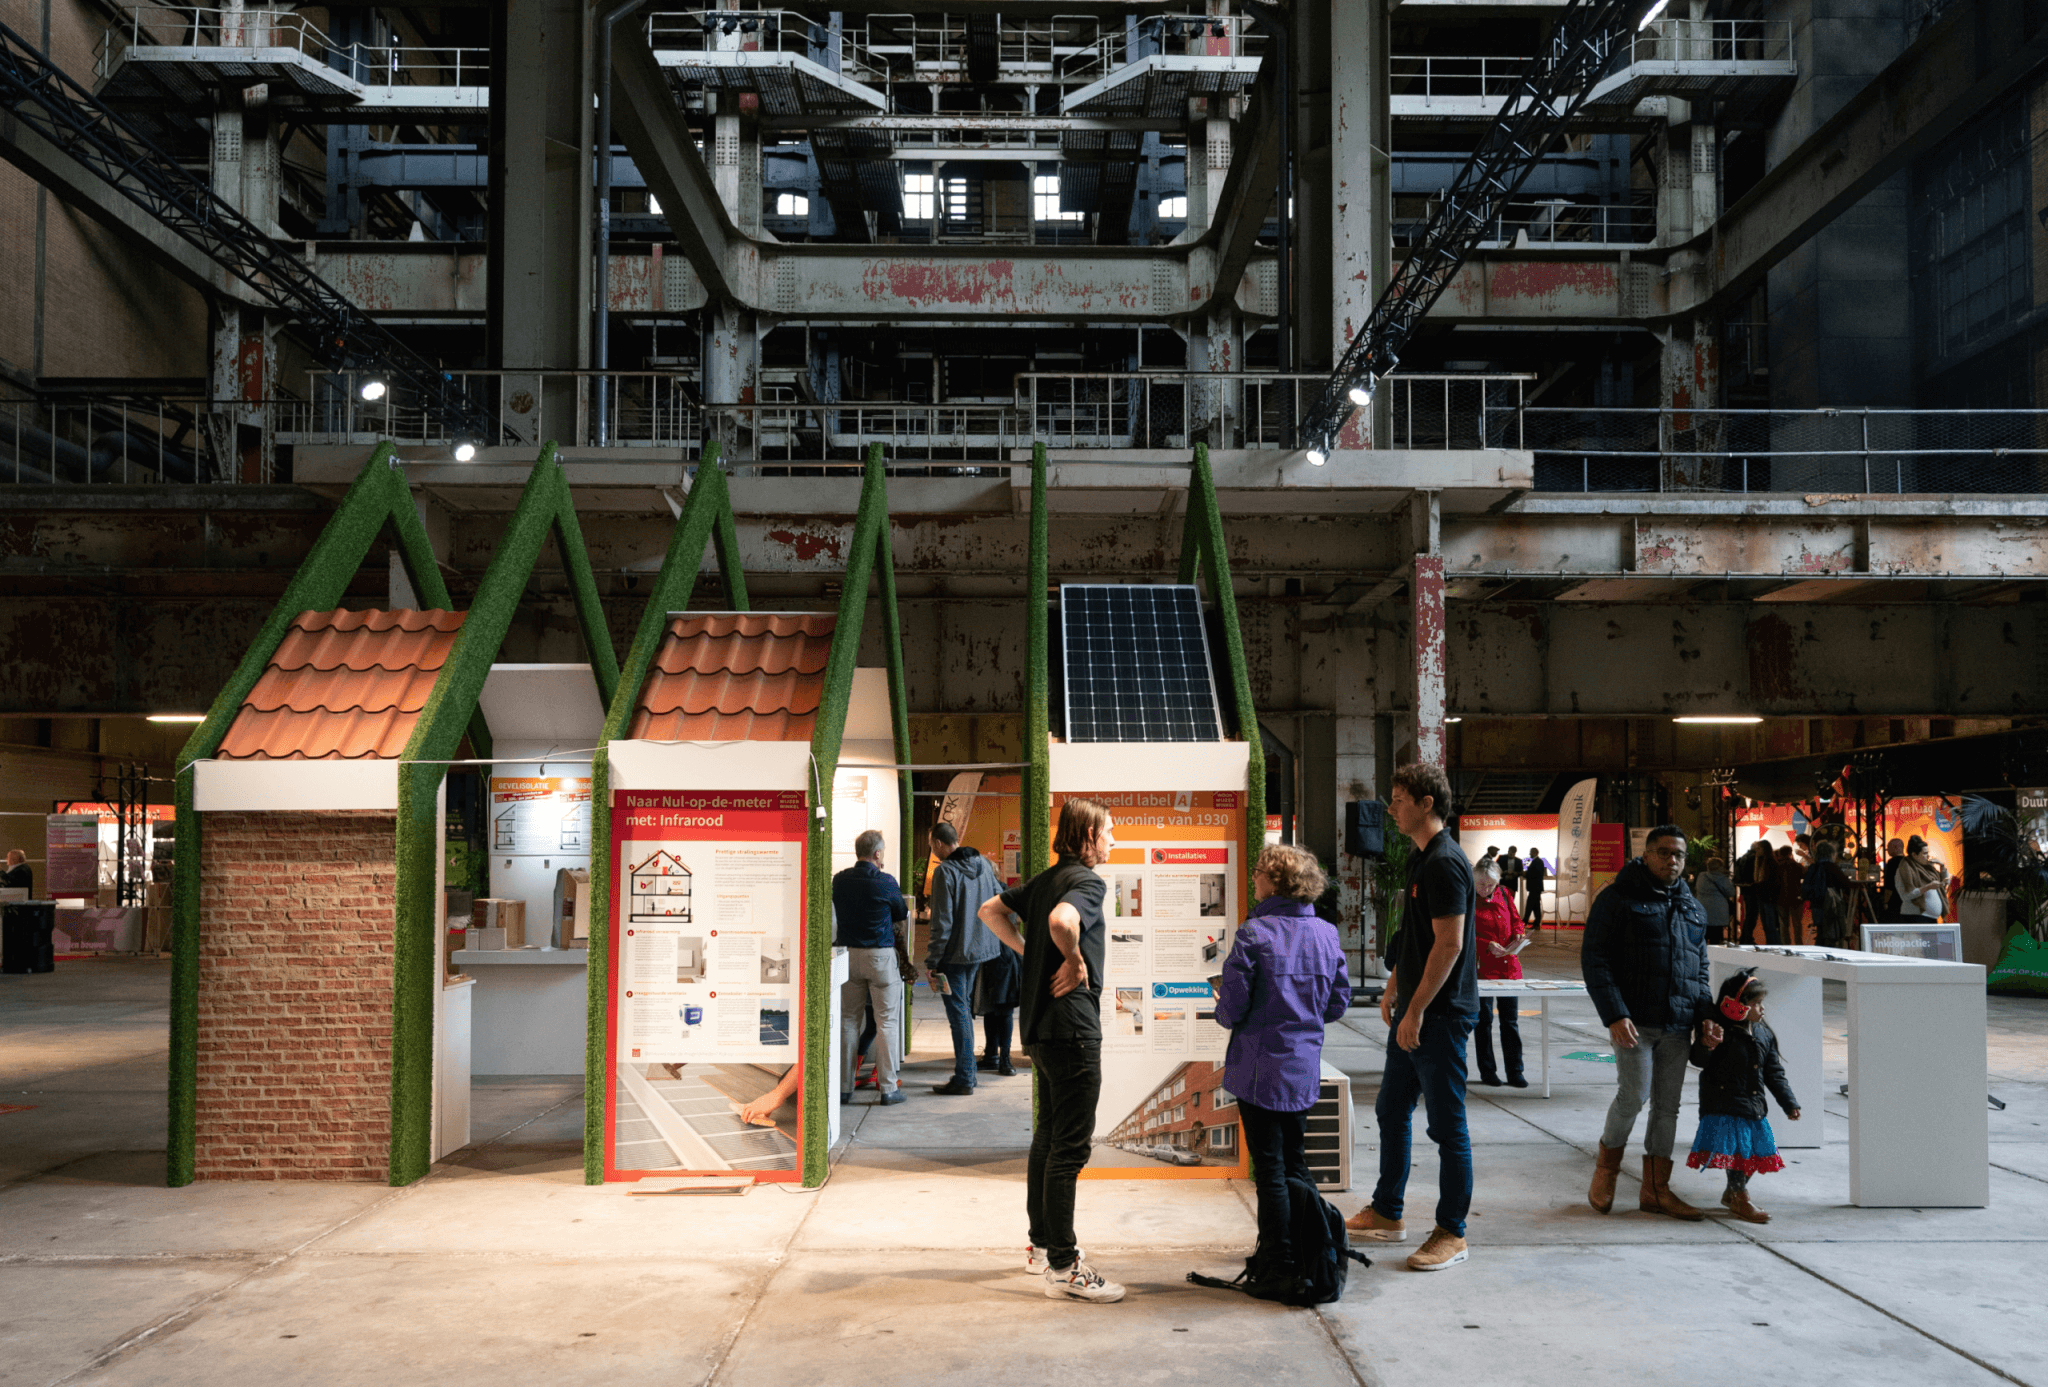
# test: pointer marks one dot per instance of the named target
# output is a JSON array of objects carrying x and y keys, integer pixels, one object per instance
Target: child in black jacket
[{"x": 1735, "y": 1134}]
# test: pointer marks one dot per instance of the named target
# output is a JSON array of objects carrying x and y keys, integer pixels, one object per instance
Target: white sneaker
[
  {"x": 1035, "y": 1263},
  {"x": 1081, "y": 1282}
]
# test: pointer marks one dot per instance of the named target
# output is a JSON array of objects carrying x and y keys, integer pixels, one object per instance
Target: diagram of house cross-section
[{"x": 660, "y": 892}]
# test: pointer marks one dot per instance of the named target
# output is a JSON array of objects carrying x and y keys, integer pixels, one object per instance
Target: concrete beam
[{"x": 1848, "y": 660}]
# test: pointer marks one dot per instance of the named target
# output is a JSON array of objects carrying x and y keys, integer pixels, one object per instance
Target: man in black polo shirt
[
  {"x": 1430, "y": 1003},
  {"x": 1060, "y": 1005}
]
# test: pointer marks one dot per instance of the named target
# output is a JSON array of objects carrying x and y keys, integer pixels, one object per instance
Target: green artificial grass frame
[
  {"x": 706, "y": 518},
  {"x": 1204, "y": 554}
]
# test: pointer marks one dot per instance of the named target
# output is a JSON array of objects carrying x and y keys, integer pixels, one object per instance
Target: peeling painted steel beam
[
  {"x": 1550, "y": 290},
  {"x": 655, "y": 134}
]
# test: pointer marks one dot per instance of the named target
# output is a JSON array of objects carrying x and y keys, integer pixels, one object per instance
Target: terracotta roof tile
[
  {"x": 343, "y": 685},
  {"x": 736, "y": 677}
]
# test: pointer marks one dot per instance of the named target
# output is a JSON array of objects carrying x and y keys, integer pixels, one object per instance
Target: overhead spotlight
[
  {"x": 465, "y": 452},
  {"x": 372, "y": 390},
  {"x": 1174, "y": 31},
  {"x": 710, "y": 23},
  {"x": 748, "y": 26},
  {"x": 732, "y": 26},
  {"x": 1361, "y": 395},
  {"x": 1318, "y": 455},
  {"x": 1217, "y": 29}
]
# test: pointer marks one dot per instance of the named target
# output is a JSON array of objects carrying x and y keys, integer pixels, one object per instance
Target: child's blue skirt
[{"x": 1735, "y": 1143}]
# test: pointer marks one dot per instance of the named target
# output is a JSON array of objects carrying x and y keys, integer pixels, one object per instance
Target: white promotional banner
[{"x": 1574, "y": 839}]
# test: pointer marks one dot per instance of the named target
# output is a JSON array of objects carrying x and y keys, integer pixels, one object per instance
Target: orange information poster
[
  {"x": 1606, "y": 855},
  {"x": 1927, "y": 817},
  {"x": 1176, "y": 894},
  {"x": 703, "y": 1034}
]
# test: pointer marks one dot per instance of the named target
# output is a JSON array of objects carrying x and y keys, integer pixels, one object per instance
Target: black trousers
[
  {"x": 1276, "y": 1142},
  {"x": 1510, "y": 1036},
  {"x": 1069, "y": 1074}
]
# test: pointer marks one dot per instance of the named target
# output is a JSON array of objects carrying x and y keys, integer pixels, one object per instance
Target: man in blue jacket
[
  {"x": 960, "y": 943},
  {"x": 1644, "y": 957},
  {"x": 867, "y": 905}
]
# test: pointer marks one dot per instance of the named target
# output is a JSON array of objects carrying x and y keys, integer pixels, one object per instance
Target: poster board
[
  {"x": 707, "y": 966},
  {"x": 1780, "y": 823},
  {"x": 1933, "y": 820},
  {"x": 71, "y": 856},
  {"x": 1606, "y": 855},
  {"x": 539, "y": 816},
  {"x": 1177, "y": 889}
]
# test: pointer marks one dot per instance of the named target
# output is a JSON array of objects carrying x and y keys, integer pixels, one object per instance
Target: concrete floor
[{"x": 502, "y": 1267}]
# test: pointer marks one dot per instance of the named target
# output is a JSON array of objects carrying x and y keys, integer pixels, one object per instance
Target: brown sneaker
[
  {"x": 1442, "y": 1248},
  {"x": 1368, "y": 1224}
]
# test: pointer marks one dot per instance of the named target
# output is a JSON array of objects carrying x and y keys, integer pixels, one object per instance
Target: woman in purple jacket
[{"x": 1282, "y": 984}]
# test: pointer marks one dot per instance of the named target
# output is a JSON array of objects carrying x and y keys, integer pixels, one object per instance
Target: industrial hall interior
[{"x": 945, "y": 685}]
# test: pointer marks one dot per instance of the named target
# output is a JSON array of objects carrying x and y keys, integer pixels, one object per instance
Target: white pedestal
[
  {"x": 1919, "y": 1126},
  {"x": 529, "y": 1009},
  {"x": 839, "y": 973},
  {"x": 451, "y": 1115}
]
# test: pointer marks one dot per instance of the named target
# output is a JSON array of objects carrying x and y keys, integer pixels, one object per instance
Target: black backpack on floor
[{"x": 1322, "y": 1255}]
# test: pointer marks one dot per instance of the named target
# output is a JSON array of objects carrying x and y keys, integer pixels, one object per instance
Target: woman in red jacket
[{"x": 1501, "y": 938}]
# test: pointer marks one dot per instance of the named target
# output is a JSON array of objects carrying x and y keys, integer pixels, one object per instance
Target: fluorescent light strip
[{"x": 1719, "y": 720}]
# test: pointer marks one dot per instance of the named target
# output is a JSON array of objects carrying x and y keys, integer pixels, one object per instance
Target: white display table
[
  {"x": 1543, "y": 990},
  {"x": 529, "y": 1009},
  {"x": 1919, "y": 1126}
]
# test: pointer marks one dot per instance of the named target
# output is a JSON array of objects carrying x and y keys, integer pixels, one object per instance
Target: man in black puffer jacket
[{"x": 1645, "y": 962}]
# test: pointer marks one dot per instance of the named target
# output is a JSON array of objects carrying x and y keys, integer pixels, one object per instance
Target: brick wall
[{"x": 295, "y": 967}]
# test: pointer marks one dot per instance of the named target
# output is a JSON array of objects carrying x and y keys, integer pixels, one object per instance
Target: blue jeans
[
  {"x": 960, "y": 1017},
  {"x": 1434, "y": 1073}
]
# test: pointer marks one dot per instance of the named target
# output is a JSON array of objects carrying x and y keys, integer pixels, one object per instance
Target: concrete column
[
  {"x": 540, "y": 176},
  {"x": 1689, "y": 380},
  {"x": 1218, "y": 408},
  {"x": 1309, "y": 69},
  {"x": 1426, "y": 599},
  {"x": 1358, "y": 179}
]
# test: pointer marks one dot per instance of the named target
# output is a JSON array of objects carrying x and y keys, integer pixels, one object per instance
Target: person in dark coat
[
  {"x": 19, "y": 874},
  {"x": 1735, "y": 1072},
  {"x": 1645, "y": 963},
  {"x": 1826, "y": 889},
  {"x": 1282, "y": 984},
  {"x": 1533, "y": 875},
  {"x": 995, "y": 1002},
  {"x": 1759, "y": 884},
  {"x": 960, "y": 943}
]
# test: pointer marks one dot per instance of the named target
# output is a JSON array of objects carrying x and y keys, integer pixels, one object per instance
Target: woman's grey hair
[{"x": 1487, "y": 870}]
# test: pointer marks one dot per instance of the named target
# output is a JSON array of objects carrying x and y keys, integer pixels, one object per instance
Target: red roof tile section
[
  {"x": 736, "y": 677},
  {"x": 343, "y": 685}
]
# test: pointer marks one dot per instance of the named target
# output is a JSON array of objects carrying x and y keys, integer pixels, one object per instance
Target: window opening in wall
[
  {"x": 1173, "y": 209},
  {"x": 792, "y": 205},
  {"x": 917, "y": 197},
  {"x": 1045, "y": 201}
]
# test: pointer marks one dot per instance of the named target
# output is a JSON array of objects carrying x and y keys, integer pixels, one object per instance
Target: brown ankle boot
[
  {"x": 1605, "y": 1172},
  {"x": 1737, "y": 1202},
  {"x": 1657, "y": 1198}
]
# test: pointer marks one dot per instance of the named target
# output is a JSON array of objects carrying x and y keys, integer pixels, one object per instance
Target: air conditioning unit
[{"x": 1330, "y": 1125}]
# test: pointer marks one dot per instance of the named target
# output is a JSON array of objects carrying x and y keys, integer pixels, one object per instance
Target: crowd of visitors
[{"x": 1037, "y": 950}]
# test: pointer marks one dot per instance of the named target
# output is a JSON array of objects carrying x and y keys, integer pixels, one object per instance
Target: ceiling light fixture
[
  {"x": 1651, "y": 17},
  {"x": 176, "y": 717},
  {"x": 1717, "y": 719}
]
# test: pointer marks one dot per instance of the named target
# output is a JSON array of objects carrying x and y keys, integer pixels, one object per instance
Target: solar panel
[{"x": 1137, "y": 664}]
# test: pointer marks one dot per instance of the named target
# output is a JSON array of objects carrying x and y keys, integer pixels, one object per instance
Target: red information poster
[
  {"x": 71, "y": 856},
  {"x": 703, "y": 1034},
  {"x": 1175, "y": 897},
  {"x": 1606, "y": 855}
]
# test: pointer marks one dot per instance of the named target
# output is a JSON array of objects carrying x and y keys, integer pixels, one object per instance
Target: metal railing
[
  {"x": 767, "y": 31},
  {"x": 1557, "y": 222},
  {"x": 1666, "y": 40},
  {"x": 117, "y": 442},
  {"x": 1214, "y": 36},
  {"x": 1252, "y": 410},
  {"x": 1848, "y": 451},
  {"x": 187, "y": 26}
]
